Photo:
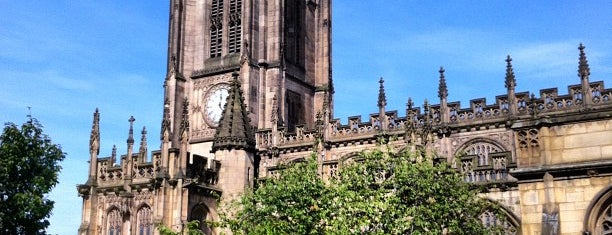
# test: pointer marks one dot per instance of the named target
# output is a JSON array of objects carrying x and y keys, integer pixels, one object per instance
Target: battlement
[
  {"x": 447, "y": 117},
  {"x": 135, "y": 172}
]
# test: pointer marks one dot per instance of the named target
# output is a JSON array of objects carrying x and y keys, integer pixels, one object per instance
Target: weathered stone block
[
  {"x": 532, "y": 218},
  {"x": 599, "y": 126},
  {"x": 530, "y": 197},
  {"x": 575, "y": 196},
  {"x": 571, "y": 228},
  {"x": 582, "y": 154},
  {"x": 560, "y": 195},
  {"x": 588, "y": 139}
]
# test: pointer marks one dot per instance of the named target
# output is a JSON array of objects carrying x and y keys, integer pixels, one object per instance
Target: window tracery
[
  {"x": 482, "y": 151},
  {"x": 144, "y": 220},
  {"x": 604, "y": 222},
  {"x": 330, "y": 170},
  {"x": 483, "y": 161},
  {"x": 114, "y": 222},
  {"x": 489, "y": 219},
  {"x": 528, "y": 138}
]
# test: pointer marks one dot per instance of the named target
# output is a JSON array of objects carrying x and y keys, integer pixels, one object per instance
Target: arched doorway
[{"x": 201, "y": 214}]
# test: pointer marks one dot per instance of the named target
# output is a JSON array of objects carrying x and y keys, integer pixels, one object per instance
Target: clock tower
[
  {"x": 281, "y": 51},
  {"x": 235, "y": 67}
]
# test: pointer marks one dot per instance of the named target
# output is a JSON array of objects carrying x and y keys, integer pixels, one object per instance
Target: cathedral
[{"x": 249, "y": 87}]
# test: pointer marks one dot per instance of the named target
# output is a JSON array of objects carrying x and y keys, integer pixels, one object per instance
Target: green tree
[
  {"x": 378, "y": 192},
  {"x": 383, "y": 192},
  {"x": 191, "y": 228},
  {"x": 29, "y": 168},
  {"x": 292, "y": 203}
]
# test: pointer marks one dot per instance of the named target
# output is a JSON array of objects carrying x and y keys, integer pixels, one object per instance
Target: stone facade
[{"x": 546, "y": 160}]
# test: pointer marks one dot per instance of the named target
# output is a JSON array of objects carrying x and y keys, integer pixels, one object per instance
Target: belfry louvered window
[
  {"x": 234, "y": 26},
  {"x": 216, "y": 28}
]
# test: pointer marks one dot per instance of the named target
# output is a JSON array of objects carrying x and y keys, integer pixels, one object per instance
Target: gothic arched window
[
  {"x": 484, "y": 160},
  {"x": 216, "y": 28},
  {"x": 114, "y": 222},
  {"x": 604, "y": 222},
  {"x": 598, "y": 218},
  {"x": 144, "y": 221},
  {"x": 509, "y": 226},
  {"x": 235, "y": 26},
  {"x": 482, "y": 151}
]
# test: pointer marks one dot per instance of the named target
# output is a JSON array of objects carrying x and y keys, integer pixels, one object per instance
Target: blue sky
[{"x": 65, "y": 58}]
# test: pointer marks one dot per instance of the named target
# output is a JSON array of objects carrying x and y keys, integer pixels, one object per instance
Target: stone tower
[
  {"x": 234, "y": 67},
  {"x": 279, "y": 48}
]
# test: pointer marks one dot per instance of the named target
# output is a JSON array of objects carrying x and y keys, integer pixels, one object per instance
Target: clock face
[{"x": 215, "y": 101}]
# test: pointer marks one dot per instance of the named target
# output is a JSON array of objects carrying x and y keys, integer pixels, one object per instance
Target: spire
[
  {"x": 442, "y": 90},
  {"x": 94, "y": 138},
  {"x": 510, "y": 80},
  {"x": 426, "y": 108},
  {"x": 426, "y": 128},
  {"x": 410, "y": 124},
  {"x": 185, "y": 120},
  {"x": 382, "y": 99},
  {"x": 409, "y": 104},
  {"x": 165, "y": 125},
  {"x": 130, "y": 139},
  {"x": 114, "y": 155},
  {"x": 143, "y": 144},
  {"x": 94, "y": 148},
  {"x": 583, "y": 65},
  {"x": 583, "y": 72},
  {"x": 234, "y": 130}
]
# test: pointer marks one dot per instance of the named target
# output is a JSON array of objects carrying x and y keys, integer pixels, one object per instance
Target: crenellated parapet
[
  {"x": 484, "y": 140},
  {"x": 478, "y": 112},
  {"x": 136, "y": 170},
  {"x": 506, "y": 109}
]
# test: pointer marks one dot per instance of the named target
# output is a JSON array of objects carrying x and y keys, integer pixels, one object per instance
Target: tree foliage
[
  {"x": 29, "y": 168},
  {"x": 378, "y": 192},
  {"x": 191, "y": 228},
  {"x": 293, "y": 203}
]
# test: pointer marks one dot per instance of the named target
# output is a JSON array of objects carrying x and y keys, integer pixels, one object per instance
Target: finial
[
  {"x": 442, "y": 90},
  {"x": 410, "y": 104},
  {"x": 583, "y": 65},
  {"x": 143, "y": 141},
  {"x": 510, "y": 80},
  {"x": 382, "y": 99},
  {"x": 114, "y": 154},
  {"x": 426, "y": 109},
  {"x": 185, "y": 109},
  {"x": 130, "y": 139},
  {"x": 185, "y": 117},
  {"x": 165, "y": 125},
  {"x": 29, "y": 116},
  {"x": 94, "y": 138}
]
